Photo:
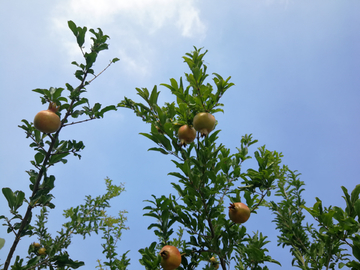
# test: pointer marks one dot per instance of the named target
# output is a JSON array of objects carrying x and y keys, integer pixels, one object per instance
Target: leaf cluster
[
  {"x": 206, "y": 175},
  {"x": 322, "y": 247},
  {"x": 71, "y": 104}
]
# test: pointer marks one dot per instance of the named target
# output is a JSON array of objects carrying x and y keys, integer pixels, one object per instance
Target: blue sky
[{"x": 295, "y": 66}]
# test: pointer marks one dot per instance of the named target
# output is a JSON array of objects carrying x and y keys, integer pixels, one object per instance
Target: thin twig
[{"x": 95, "y": 76}]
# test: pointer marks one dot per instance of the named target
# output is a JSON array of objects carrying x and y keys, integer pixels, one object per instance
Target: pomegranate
[
  {"x": 36, "y": 245},
  {"x": 186, "y": 135},
  {"x": 214, "y": 262},
  {"x": 42, "y": 251},
  {"x": 239, "y": 212},
  {"x": 48, "y": 121},
  {"x": 170, "y": 257},
  {"x": 204, "y": 123}
]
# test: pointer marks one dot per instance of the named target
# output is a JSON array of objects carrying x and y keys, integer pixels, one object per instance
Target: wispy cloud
[{"x": 124, "y": 18}]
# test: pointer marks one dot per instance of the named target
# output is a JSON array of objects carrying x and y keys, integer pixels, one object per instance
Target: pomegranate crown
[
  {"x": 53, "y": 107},
  {"x": 164, "y": 254}
]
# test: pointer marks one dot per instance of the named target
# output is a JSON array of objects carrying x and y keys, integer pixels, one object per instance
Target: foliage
[
  {"x": 49, "y": 150},
  {"x": 317, "y": 248},
  {"x": 207, "y": 177}
]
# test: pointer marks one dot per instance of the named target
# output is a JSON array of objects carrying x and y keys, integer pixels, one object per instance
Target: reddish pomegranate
[
  {"x": 170, "y": 257},
  {"x": 239, "y": 212},
  {"x": 186, "y": 135},
  {"x": 48, "y": 121},
  {"x": 204, "y": 123}
]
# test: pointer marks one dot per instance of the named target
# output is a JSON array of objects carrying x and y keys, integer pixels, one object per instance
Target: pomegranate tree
[
  {"x": 48, "y": 121},
  {"x": 204, "y": 123}
]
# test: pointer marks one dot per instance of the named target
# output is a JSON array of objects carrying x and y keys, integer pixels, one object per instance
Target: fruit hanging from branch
[
  {"x": 42, "y": 251},
  {"x": 186, "y": 135},
  {"x": 36, "y": 245},
  {"x": 204, "y": 123},
  {"x": 214, "y": 262},
  {"x": 48, "y": 121},
  {"x": 170, "y": 257},
  {"x": 239, "y": 212}
]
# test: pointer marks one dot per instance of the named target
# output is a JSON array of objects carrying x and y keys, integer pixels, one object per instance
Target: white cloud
[
  {"x": 130, "y": 21},
  {"x": 189, "y": 21},
  {"x": 151, "y": 14}
]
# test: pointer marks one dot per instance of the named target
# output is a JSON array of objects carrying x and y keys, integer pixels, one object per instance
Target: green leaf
[
  {"x": 348, "y": 201},
  {"x": 73, "y": 27},
  {"x": 154, "y": 96},
  {"x": 193, "y": 241},
  {"x": 39, "y": 157},
  {"x": 89, "y": 57},
  {"x": 96, "y": 107},
  {"x": 356, "y": 251},
  {"x": 19, "y": 199},
  {"x": 80, "y": 38},
  {"x": 150, "y": 136},
  {"x": 63, "y": 260},
  {"x": 355, "y": 194},
  {"x": 161, "y": 150},
  {"x": 58, "y": 157},
  {"x": 144, "y": 93},
  {"x": 354, "y": 264},
  {"x": 2, "y": 242},
  {"x": 40, "y": 91},
  {"x": 357, "y": 208},
  {"x": 106, "y": 109},
  {"x": 10, "y": 197},
  {"x": 57, "y": 93},
  {"x": 165, "y": 142}
]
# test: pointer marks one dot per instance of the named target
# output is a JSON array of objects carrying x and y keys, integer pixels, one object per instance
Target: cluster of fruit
[
  {"x": 48, "y": 121},
  {"x": 170, "y": 255},
  {"x": 203, "y": 122},
  {"x": 40, "y": 250}
]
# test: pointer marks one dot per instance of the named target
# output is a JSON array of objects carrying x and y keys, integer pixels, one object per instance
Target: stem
[
  {"x": 78, "y": 122},
  {"x": 25, "y": 221},
  {"x": 95, "y": 76},
  {"x": 208, "y": 219},
  {"x": 260, "y": 201}
]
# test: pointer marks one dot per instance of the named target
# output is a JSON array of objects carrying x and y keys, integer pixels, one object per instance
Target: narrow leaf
[
  {"x": 73, "y": 27},
  {"x": 161, "y": 150},
  {"x": 355, "y": 194}
]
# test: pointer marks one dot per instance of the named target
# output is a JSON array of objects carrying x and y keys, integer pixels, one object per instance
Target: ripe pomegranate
[
  {"x": 48, "y": 121},
  {"x": 239, "y": 212},
  {"x": 204, "y": 123},
  {"x": 186, "y": 135},
  {"x": 170, "y": 257},
  {"x": 42, "y": 251}
]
